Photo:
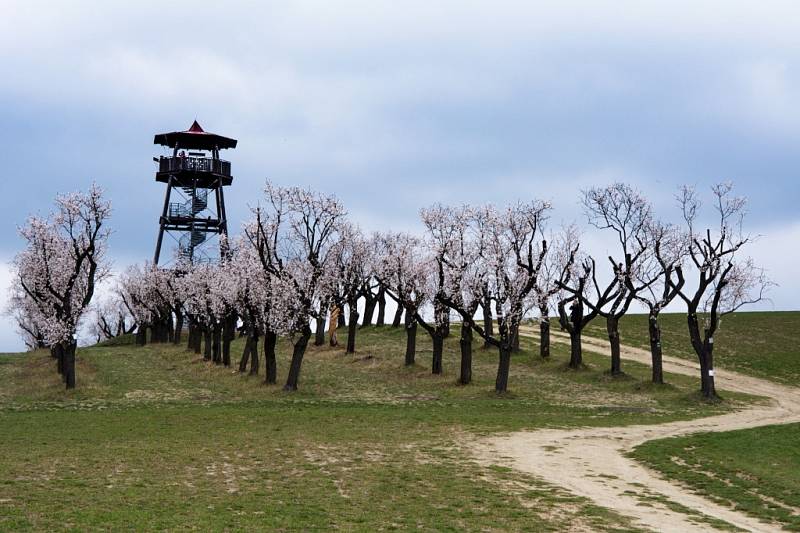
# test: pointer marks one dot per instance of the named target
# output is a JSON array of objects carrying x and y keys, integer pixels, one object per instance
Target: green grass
[
  {"x": 753, "y": 470},
  {"x": 155, "y": 438},
  {"x": 647, "y": 498},
  {"x": 763, "y": 344}
]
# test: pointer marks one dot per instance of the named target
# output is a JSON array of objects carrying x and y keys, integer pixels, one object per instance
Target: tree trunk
[
  {"x": 190, "y": 340},
  {"x": 207, "y": 343},
  {"x": 297, "y": 360},
  {"x": 156, "y": 330},
  {"x": 166, "y": 327},
  {"x": 381, "y": 307},
  {"x": 69, "y": 364},
  {"x": 612, "y": 327},
  {"x": 216, "y": 347},
  {"x": 503, "y": 367},
  {"x": 198, "y": 339},
  {"x": 398, "y": 316},
  {"x": 411, "y": 339},
  {"x": 228, "y": 334},
  {"x": 245, "y": 355},
  {"x": 352, "y": 328},
  {"x": 270, "y": 339},
  {"x": 141, "y": 335},
  {"x": 177, "y": 336},
  {"x": 488, "y": 323},
  {"x": 703, "y": 347},
  {"x": 575, "y": 350},
  {"x": 466, "y": 354},
  {"x": 515, "y": 338},
  {"x": 253, "y": 339},
  {"x": 58, "y": 350},
  {"x": 655, "y": 348},
  {"x": 710, "y": 390},
  {"x": 341, "y": 321},
  {"x": 319, "y": 334},
  {"x": 370, "y": 302},
  {"x": 438, "y": 348},
  {"x": 544, "y": 337}
]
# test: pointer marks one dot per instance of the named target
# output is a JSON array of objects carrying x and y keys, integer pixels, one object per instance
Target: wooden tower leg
[
  {"x": 162, "y": 222},
  {"x": 223, "y": 222}
]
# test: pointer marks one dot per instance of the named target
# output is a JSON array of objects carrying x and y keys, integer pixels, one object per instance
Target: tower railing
[{"x": 195, "y": 164}]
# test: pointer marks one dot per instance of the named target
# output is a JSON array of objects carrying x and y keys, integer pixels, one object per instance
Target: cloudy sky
[{"x": 395, "y": 105}]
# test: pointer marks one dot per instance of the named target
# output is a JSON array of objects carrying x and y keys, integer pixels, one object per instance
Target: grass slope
[
  {"x": 155, "y": 438},
  {"x": 763, "y": 344},
  {"x": 754, "y": 470}
]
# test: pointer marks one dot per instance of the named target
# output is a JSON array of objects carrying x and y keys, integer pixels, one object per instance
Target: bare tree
[
  {"x": 626, "y": 212},
  {"x": 582, "y": 293},
  {"x": 668, "y": 249}
]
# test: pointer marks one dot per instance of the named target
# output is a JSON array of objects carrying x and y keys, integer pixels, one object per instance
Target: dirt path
[{"x": 590, "y": 462}]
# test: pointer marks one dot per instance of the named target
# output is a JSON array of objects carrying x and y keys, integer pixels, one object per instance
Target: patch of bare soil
[{"x": 592, "y": 462}]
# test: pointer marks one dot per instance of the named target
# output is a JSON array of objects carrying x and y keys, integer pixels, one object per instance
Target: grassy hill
[
  {"x": 763, "y": 344},
  {"x": 155, "y": 438},
  {"x": 755, "y": 470}
]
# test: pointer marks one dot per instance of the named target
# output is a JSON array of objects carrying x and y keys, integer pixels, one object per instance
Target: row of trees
[{"x": 299, "y": 257}]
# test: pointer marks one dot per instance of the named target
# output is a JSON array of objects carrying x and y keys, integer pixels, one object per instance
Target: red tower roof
[{"x": 195, "y": 137}]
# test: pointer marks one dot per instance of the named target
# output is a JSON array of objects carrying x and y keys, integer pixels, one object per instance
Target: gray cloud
[{"x": 414, "y": 101}]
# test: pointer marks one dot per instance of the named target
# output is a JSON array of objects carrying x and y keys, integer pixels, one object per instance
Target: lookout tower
[{"x": 194, "y": 205}]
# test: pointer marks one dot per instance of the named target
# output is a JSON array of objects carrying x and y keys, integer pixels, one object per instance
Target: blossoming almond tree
[
  {"x": 457, "y": 251},
  {"x": 131, "y": 291},
  {"x": 110, "y": 319},
  {"x": 725, "y": 281},
  {"x": 417, "y": 279},
  {"x": 252, "y": 295},
  {"x": 350, "y": 261},
  {"x": 562, "y": 247},
  {"x": 294, "y": 236},
  {"x": 63, "y": 260},
  {"x": 150, "y": 295},
  {"x": 205, "y": 288},
  {"x": 25, "y": 314},
  {"x": 402, "y": 267},
  {"x": 512, "y": 259}
]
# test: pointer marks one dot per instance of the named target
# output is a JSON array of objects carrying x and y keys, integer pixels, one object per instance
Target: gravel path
[{"x": 591, "y": 462}]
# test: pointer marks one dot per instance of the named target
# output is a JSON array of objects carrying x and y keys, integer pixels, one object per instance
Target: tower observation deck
[{"x": 194, "y": 204}]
